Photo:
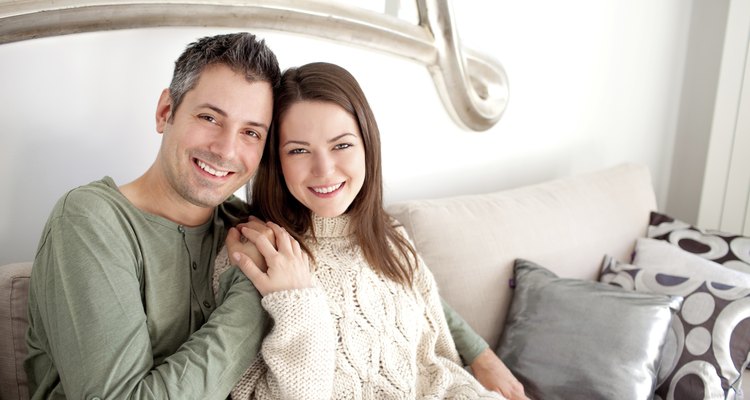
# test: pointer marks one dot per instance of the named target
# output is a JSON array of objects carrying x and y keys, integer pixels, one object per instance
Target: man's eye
[
  {"x": 342, "y": 146},
  {"x": 252, "y": 134},
  {"x": 208, "y": 118}
]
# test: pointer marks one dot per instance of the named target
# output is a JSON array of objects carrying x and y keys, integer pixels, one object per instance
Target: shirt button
[
  {"x": 195, "y": 266},
  {"x": 181, "y": 229},
  {"x": 207, "y": 304}
]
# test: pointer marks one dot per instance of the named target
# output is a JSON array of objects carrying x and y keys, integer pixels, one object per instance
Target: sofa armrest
[{"x": 14, "y": 295}]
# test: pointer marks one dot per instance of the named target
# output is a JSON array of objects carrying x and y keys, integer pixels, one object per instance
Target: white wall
[
  {"x": 593, "y": 83},
  {"x": 697, "y": 104}
]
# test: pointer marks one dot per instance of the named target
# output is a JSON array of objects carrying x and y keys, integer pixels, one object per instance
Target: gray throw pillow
[{"x": 577, "y": 339}]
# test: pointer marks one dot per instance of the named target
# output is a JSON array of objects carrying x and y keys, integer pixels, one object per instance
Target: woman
[{"x": 381, "y": 332}]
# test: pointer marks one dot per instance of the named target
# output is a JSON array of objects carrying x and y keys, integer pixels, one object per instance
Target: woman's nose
[{"x": 323, "y": 165}]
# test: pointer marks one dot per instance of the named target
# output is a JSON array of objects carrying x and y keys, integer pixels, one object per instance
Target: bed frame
[{"x": 473, "y": 87}]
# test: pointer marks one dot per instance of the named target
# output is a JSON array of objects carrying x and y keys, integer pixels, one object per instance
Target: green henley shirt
[{"x": 121, "y": 306}]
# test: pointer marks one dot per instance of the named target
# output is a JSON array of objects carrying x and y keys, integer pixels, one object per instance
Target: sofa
[{"x": 473, "y": 244}]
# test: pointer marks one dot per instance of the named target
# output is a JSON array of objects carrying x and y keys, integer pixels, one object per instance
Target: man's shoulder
[
  {"x": 100, "y": 196},
  {"x": 234, "y": 210}
]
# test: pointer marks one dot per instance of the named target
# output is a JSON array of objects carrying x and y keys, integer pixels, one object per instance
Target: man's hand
[
  {"x": 491, "y": 372},
  {"x": 237, "y": 240},
  {"x": 288, "y": 265}
]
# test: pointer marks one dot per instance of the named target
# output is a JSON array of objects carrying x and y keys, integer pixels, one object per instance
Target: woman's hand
[
  {"x": 237, "y": 240},
  {"x": 491, "y": 372},
  {"x": 288, "y": 265}
]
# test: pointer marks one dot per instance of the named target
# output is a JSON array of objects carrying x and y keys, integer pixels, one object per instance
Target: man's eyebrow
[
  {"x": 224, "y": 114},
  {"x": 214, "y": 108}
]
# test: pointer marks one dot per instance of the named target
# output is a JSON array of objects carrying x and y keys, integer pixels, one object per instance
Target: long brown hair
[{"x": 375, "y": 232}]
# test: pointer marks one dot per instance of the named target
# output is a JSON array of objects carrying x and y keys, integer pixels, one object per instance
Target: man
[{"x": 120, "y": 303}]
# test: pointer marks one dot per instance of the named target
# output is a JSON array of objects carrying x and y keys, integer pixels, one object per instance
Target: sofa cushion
[
  {"x": 14, "y": 287},
  {"x": 470, "y": 242},
  {"x": 711, "y": 335},
  {"x": 729, "y": 249},
  {"x": 580, "y": 339}
]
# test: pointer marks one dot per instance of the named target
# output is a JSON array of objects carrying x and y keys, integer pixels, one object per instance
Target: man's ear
[{"x": 163, "y": 110}]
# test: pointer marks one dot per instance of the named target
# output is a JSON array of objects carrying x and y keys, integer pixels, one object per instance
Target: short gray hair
[{"x": 242, "y": 52}]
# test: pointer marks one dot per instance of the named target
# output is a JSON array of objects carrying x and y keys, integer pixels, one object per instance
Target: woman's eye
[
  {"x": 342, "y": 146},
  {"x": 297, "y": 151}
]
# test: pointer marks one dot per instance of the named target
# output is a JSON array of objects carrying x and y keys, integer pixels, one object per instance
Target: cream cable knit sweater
[{"x": 374, "y": 339}]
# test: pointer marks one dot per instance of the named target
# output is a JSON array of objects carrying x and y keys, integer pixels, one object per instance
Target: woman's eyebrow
[
  {"x": 299, "y": 142},
  {"x": 340, "y": 136}
]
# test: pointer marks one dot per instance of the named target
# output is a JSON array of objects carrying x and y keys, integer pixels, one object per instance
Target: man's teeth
[
  {"x": 328, "y": 189},
  {"x": 212, "y": 171}
]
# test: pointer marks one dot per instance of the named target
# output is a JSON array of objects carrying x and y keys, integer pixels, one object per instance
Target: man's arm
[
  {"x": 468, "y": 343},
  {"x": 88, "y": 301},
  {"x": 489, "y": 370}
]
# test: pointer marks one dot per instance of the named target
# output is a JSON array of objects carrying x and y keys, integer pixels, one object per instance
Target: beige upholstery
[
  {"x": 566, "y": 225},
  {"x": 469, "y": 243},
  {"x": 14, "y": 293}
]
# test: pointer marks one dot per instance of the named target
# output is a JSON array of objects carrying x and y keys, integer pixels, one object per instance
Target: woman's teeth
[{"x": 327, "y": 189}]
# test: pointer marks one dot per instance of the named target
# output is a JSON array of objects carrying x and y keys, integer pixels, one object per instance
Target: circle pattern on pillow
[
  {"x": 730, "y": 250},
  {"x": 697, "y": 308},
  {"x": 711, "y": 336}
]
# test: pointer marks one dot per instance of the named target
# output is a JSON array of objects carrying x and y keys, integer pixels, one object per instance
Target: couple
[{"x": 121, "y": 302}]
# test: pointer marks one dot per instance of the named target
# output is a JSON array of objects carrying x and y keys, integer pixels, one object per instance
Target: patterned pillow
[
  {"x": 659, "y": 255},
  {"x": 730, "y": 250},
  {"x": 709, "y": 345}
]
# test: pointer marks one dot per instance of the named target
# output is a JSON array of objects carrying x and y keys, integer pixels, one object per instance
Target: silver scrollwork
[{"x": 473, "y": 87}]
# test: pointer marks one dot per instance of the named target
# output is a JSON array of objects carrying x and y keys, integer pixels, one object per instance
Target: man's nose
[{"x": 224, "y": 144}]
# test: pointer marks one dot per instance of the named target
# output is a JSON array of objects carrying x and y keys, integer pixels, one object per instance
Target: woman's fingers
[
  {"x": 235, "y": 243},
  {"x": 255, "y": 274},
  {"x": 283, "y": 238},
  {"x": 233, "y": 237},
  {"x": 288, "y": 265},
  {"x": 261, "y": 242},
  {"x": 259, "y": 226},
  {"x": 297, "y": 249}
]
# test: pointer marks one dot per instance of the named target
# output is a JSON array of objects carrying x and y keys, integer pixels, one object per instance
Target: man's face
[{"x": 214, "y": 142}]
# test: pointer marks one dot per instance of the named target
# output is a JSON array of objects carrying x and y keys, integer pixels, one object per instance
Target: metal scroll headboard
[{"x": 472, "y": 86}]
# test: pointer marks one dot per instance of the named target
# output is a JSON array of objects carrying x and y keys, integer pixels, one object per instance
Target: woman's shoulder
[{"x": 398, "y": 226}]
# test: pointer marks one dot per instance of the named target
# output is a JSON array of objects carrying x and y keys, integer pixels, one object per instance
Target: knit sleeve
[
  {"x": 437, "y": 348},
  {"x": 299, "y": 352},
  {"x": 425, "y": 284}
]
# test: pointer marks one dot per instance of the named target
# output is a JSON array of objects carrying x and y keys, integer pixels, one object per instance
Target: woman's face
[{"x": 322, "y": 156}]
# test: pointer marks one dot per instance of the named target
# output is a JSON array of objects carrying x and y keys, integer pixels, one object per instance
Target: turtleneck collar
[{"x": 339, "y": 226}]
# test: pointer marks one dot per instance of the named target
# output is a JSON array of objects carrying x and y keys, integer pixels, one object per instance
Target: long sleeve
[
  {"x": 300, "y": 350},
  {"x": 468, "y": 343},
  {"x": 88, "y": 314},
  {"x": 298, "y": 355},
  {"x": 437, "y": 327},
  {"x": 437, "y": 346}
]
